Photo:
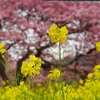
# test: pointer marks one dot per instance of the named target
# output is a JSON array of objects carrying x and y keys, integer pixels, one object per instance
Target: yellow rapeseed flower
[
  {"x": 54, "y": 74},
  {"x": 57, "y": 34},
  {"x": 81, "y": 81},
  {"x": 90, "y": 75},
  {"x": 95, "y": 74},
  {"x": 98, "y": 46},
  {"x": 97, "y": 67},
  {"x": 31, "y": 68},
  {"x": 97, "y": 71},
  {"x": 21, "y": 83},
  {"x": 2, "y": 50}
]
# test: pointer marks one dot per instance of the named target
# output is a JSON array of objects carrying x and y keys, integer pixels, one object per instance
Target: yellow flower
[
  {"x": 3, "y": 82},
  {"x": 97, "y": 71},
  {"x": 2, "y": 50},
  {"x": 95, "y": 74},
  {"x": 54, "y": 74},
  {"x": 33, "y": 58},
  {"x": 31, "y": 68},
  {"x": 98, "y": 46},
  {"x": 81, "y": 81},
  {"x": 90, "y": 75},
  {"x": 97, "y": 67},
  {"x": 21, "y": 83},
  {"x": 1, "y": 45},
  {"x": 57, "y": 34}
]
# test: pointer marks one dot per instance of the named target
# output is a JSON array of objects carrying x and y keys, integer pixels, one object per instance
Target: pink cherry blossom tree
[{"x": 24, "y": 26}]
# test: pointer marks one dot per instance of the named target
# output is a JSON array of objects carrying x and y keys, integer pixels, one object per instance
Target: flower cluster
[
  {"x": 90, "y": 90},
  {"x": 98, "y": 46},
  {"x": 54, "y": 74},
  {"x": 2, "y": 50},
  {"x": 21, "y": 92},
  {"x": 91, "y": 86},
  {"x": 31, "y": 68},
  {"x": 96, "y": 74},
  {"x": 58, "y": 34}
]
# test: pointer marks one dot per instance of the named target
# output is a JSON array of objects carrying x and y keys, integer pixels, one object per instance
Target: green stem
[
  {"x": 60, "y": 51},
  {"x": 61, "y": 79},
  {"x": 29, "y": 83}
]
